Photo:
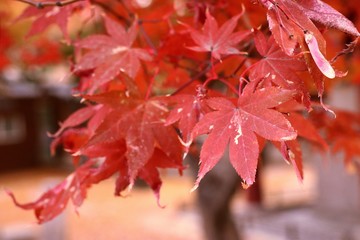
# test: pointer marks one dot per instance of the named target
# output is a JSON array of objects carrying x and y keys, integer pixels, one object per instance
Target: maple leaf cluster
[{"x": 157, "y": 77}]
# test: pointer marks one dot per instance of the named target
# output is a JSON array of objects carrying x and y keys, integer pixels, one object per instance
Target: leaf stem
[
  {"x": 147, "y": 38},
  {"x": 151, "y": 84},
  {"x": 286, "y": 15},
  {"x": 231, "y": 87},
  {"x": 213, "y": 73},
  {"x": 197, "y": 76},
  {"x": 239, "y": 67},
  {"x": 241, "y": 78}
]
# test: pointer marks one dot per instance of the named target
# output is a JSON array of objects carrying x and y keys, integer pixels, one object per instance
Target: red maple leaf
[
  {"x": 237, "y": 125},
  {"x": 53, "y": 202},
  {"x": 50, "y": 15},
  {"x": 74, "y": 187},
  {"x": 124, "y": 135},
  {"x": 142, "y": 125},
  {"x": 111, "y": 54},
  {"x": 218, "y": 41},
  {"x": 114, "y": 151},
  {"x": 149, "y": 143},
  {"x": 278, "y": 68},
  {"x": 149, "y": 173}
]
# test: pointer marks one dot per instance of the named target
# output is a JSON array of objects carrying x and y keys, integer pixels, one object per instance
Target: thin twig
[
  {"x": 147, "y": 38},
  {"x": 231, "y": 87},
  {"x": 41, "y": 5},
  {"x": 151, "y": 84},
  {"x": 127, "y": 10},
  {"x": 197, "y": 76}
]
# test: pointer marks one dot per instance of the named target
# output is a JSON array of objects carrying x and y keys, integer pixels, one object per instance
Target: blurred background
[{"x": 35, "y": 94}]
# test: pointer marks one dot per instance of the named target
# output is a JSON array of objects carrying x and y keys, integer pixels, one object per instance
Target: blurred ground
[{"x": 103, "y": 216}]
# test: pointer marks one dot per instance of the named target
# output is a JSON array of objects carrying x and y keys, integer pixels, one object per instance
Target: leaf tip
[
  {"x": 50, "y": 135},
  {"x": 247, "y": 183},
  {"x": 196, "y": 185},
  {"x": 292, "y": 136},
  {"x": 329, "y": 73},
  {"x": 193, "y": 189},
  {"x": 326, "y": 108},
  {"x": 185, "y": 144}
]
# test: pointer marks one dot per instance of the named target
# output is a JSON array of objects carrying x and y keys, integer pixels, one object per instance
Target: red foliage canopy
[{"x": 191, "y": 68}]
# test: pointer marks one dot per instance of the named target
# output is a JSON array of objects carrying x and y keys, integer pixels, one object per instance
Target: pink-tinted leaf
[
  {"x": 244, "y": 155},
  {"x": 218, "y": 41},
  {"x": 321, "y": 12},
  {"x": 318, "y": 57}
]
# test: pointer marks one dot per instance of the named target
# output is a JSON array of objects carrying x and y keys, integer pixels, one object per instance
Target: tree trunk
[{"x": 214, "y": 197}]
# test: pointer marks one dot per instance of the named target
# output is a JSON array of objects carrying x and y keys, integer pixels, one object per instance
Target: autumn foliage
[{"x": 153, "y": 78}]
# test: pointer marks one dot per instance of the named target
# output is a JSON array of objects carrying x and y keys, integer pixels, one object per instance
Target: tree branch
[{"x": 41, "y": 5}]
